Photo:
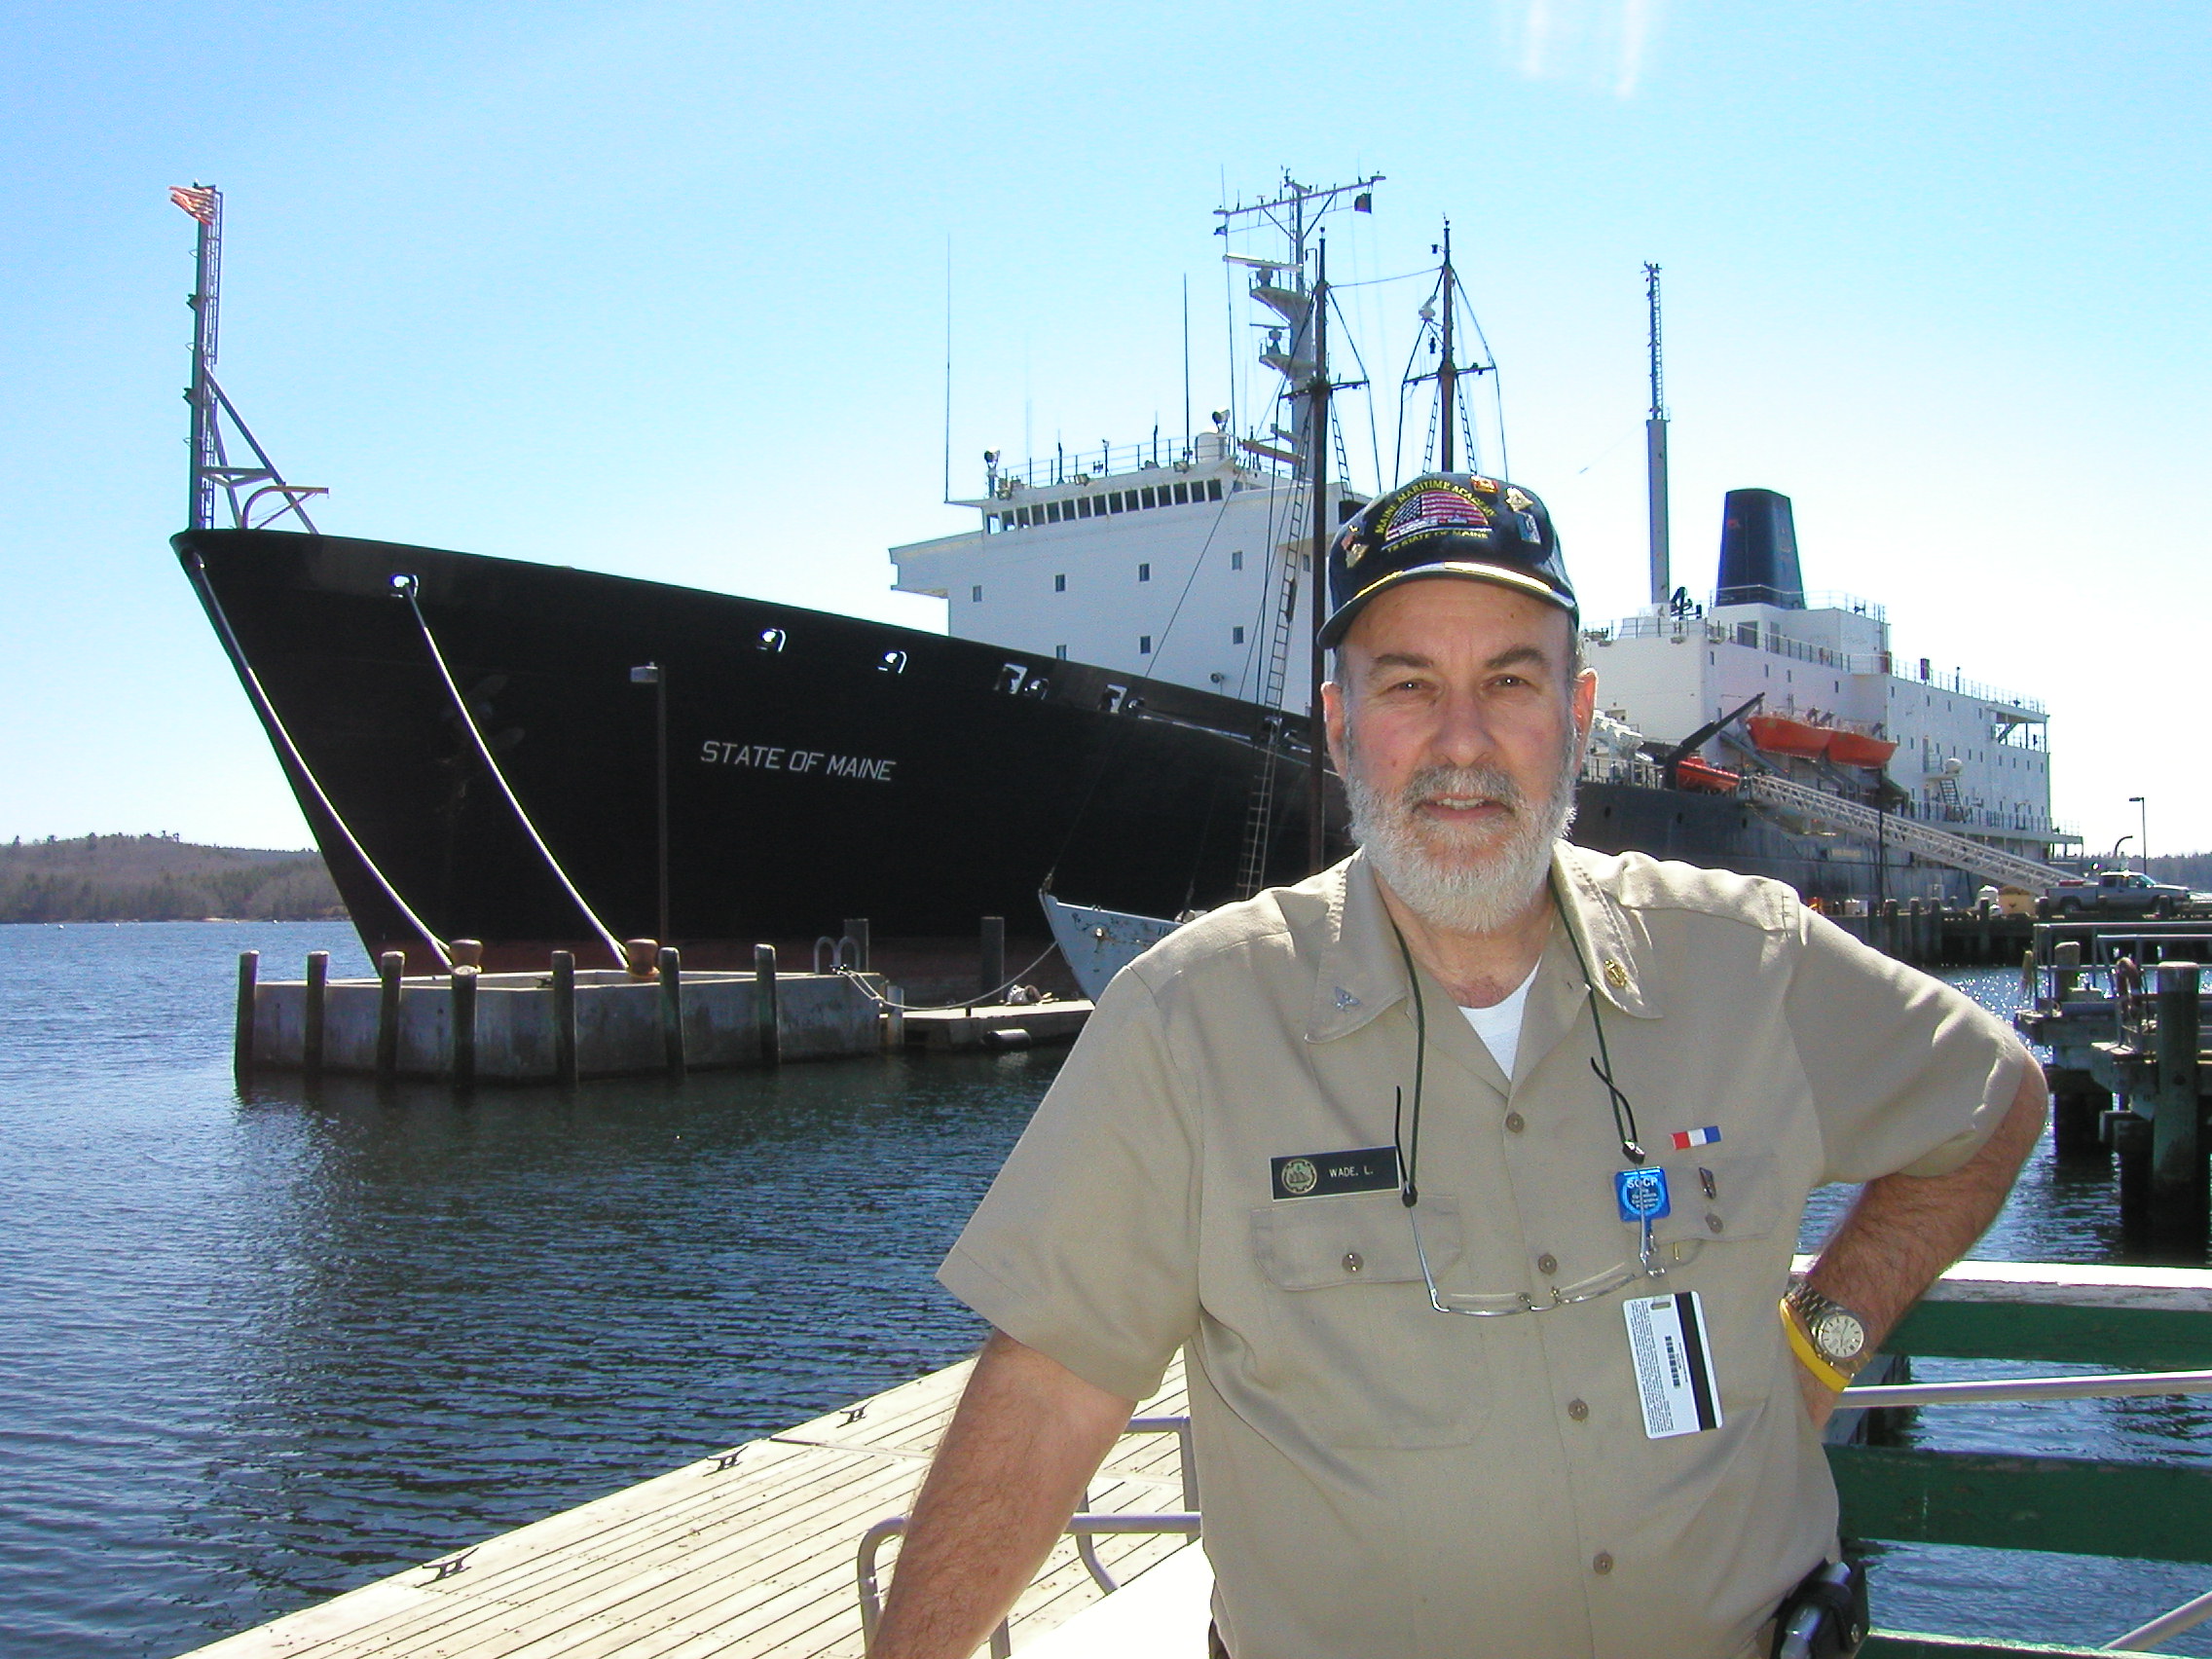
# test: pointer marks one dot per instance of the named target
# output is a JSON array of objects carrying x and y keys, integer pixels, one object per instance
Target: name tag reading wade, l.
[{"x": 1324, "y": 1174}]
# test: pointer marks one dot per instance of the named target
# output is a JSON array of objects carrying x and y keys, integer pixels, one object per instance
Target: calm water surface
[{"x": 256, "y": 1351}]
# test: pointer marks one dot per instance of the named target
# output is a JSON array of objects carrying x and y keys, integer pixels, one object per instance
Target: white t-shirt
[{"x": 1500, "y": 1025}]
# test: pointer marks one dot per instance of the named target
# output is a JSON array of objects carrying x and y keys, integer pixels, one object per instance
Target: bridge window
[
  {"x": 1213, "y": 489},
  {"x": 1182, "y": 495}
]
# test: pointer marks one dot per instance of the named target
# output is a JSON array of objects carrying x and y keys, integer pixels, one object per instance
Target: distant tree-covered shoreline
[{"x": 160, "y": 878}]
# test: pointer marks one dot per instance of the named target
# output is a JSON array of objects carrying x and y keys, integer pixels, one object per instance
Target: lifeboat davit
[
  {"x": 1778, "y": 734},
  {"x": 1705, "y": 777}
]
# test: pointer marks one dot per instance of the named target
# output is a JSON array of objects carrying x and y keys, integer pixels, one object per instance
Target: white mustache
[{"x": 1461, "y": 786}]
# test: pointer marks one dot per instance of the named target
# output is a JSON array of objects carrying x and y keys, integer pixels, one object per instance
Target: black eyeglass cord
[{"x": 1602, "y": 1063}]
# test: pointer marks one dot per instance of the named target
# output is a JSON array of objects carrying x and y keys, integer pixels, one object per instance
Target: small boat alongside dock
[{"x": 768, "y": 1550}]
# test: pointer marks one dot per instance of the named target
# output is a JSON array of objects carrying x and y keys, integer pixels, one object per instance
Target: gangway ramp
[{"x": 1959, "y": 852}]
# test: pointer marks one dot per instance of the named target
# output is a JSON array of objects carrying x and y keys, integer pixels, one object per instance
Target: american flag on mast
[{"x": 197, "y": 199}]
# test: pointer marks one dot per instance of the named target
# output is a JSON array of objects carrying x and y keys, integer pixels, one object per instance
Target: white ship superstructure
[
  {"x": 1190, "y": 570},
  {"x": 1970, "y": 757}
]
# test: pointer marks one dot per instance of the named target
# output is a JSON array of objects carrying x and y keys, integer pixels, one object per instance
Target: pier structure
[
  {"x": 2121, "y": 1008},
  {"x": 778, "y": 1548},
  {"x": 467, "y": 1025}
]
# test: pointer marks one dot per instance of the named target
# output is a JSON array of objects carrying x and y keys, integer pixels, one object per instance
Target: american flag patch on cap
[{"x": 1684, "y": 1139}]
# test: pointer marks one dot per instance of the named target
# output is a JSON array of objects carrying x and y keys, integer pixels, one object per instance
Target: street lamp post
[
  {"x": 2143, "y": 823},
  {"x": 651, "y": 674}
]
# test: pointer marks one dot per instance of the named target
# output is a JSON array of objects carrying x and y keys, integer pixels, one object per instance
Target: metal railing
[
  {"x": 1959, "y": 852},
  {"x": 1099, "y": 460},
  {"x": 1083, "y": 1527}
]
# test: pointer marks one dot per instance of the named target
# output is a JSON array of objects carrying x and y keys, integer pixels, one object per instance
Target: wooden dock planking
[{"x": 745, "y": 1555}]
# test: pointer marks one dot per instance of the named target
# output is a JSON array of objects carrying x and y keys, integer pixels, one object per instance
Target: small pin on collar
[{"x": 1345, "y": 998}]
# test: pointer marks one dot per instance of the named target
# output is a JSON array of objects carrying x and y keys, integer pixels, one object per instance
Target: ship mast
[
  {"x": 211, "y": 410},
  {"x": 1656, "y": 455},
  {"x": 1448, "y": 371}
]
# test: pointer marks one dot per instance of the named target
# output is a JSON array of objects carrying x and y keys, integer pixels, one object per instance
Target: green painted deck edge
[
  {"x": 2064, "y": 1506},
  {"x": 1914, "y": 1644},
  {"x": 2118, "y": 1338}
]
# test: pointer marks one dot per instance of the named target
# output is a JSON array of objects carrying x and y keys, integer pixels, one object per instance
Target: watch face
[{"x": 1839, "y": 1334}]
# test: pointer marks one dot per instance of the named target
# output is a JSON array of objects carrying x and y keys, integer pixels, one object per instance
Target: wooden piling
[
  {"x": 463, "y": 1025},
  {"x": 311, "y": 1017},
  {"x": 2066, "y": 963},
  {"x": 2076, "y": 1114},
  {"x": 764, "y": 1005},
  {"x": 389, "y": 967},
  {"x": 565, "y": 1018},
  {"x": 2177, "y": 1149},
  {"x": 2131, "y": 1136},
  {"x": 669, "y": 962},
  {"x": 895, "y": 1019},
  {"x": 856, "y": 930},
  {"x": 242, "y": 1036},
  {"x": 992, "y": 977}
]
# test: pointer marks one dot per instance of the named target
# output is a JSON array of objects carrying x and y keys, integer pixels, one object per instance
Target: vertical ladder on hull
[{"x": 1259, "y": 813}]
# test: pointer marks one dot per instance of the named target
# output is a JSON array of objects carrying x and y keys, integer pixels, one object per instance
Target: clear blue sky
[{"x": 660, "y": 288}]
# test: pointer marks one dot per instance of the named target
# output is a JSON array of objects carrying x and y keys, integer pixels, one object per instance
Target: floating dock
[
  {"x": 749, "y": 1554},
  {"x": 755, "y": 1553}
]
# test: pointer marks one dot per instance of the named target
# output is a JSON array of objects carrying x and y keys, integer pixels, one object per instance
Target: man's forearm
[
  {"x": 1029, "y": 1433},
  {"x": 1906, "y": 1229}
]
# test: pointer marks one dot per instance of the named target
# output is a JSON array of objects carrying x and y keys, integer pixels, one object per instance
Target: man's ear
[{"x": 1333, "y": 722}]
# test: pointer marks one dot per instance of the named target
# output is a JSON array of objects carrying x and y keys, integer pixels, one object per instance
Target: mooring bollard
[
  {"x": 2066, "y": 965},
  {"x": 565, "y": 1018},
  {"x": 669, "y": 962},
  {"x": 242, "y": 1037},
  {"x": 389, "y": 967},
  {"x": 311, "y": 1017},
  {"x": 463, "y": 1025},
  {"x": 856, "y": 930},
  {"x": 993, "y": 975},
  {"x": 2177, "y": 1149},
  {"x": 764, "y": 1022}
]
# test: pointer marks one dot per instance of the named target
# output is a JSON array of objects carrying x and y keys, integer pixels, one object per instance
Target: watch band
[{"x": 1807, "y": 1354}]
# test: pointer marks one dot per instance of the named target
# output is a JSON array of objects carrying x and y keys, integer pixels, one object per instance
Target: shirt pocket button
[{"x": 1353, "y": 1262}]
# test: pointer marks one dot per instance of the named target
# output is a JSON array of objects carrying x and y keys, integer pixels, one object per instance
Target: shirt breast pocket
[
  {"x": 1717, "y": 1196},
  {"x": 1358, "y": 1354}
]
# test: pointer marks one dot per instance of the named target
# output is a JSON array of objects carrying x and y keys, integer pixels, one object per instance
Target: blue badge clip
[{"x": 1641, "y": 1195}]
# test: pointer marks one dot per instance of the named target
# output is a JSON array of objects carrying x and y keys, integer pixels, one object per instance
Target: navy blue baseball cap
[{"x": 1445, "y": 524}]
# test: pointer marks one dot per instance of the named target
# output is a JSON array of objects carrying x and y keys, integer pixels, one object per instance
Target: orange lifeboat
[
  {"x": 1778, "y": 734},
  {"x": 1705, "y": 777},
  {"x": 1858, "y": 749}
]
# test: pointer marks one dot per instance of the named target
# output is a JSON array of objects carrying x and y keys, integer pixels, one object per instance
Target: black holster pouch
[{"x": 1825, "y": 1616}]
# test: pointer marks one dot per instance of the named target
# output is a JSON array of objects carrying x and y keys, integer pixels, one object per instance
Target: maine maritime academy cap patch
[{"x": 1445, "y": 524}]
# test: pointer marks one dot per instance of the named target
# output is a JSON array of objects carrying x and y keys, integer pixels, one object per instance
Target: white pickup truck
[{"x": 2122, "y": 892}]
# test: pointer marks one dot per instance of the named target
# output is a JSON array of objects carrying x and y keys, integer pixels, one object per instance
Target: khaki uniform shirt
[{"x": 1381, "y": 1478}]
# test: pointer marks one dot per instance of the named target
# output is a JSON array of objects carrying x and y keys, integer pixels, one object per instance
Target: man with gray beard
[{"x": 1466, "y": 1176}]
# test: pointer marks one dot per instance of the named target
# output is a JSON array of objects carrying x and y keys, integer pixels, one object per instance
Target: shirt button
[
  {"x": 1579, "y": 1410},
  {"x": 1603, "y": 1561},
  {"x": 1713, "y": 1221},
  {"x": 1515, "y": 1121},
  {"x": 1353, "y": 1262},
  {"x": 1547, "y": 1264}
]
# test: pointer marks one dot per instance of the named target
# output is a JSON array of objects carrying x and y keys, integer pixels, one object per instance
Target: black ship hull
[{"x": 818, "y": 767}]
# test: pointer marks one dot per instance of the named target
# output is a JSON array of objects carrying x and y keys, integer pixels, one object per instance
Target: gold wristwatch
[{"x": 1828, "y": 1337}]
